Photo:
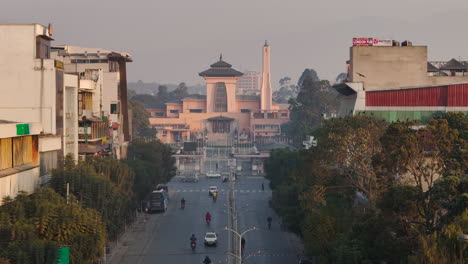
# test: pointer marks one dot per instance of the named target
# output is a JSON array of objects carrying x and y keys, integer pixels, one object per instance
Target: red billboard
[{"x": 372, "y": 42}]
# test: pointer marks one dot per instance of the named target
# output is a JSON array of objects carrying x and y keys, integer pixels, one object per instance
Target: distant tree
[
  {"x": 286, "y": 91},
  {"x": 341, "y": 78},
  {"x": 308, "y": 74},
  {"x": 140, "y": 123},
  {"x": 180, "y": 93},
  {"x": 131, "y": 93},
  {"x": 147, "y": 100},
  {"x": 163, "y": 94},
  {"x": 313, "y": 100}
]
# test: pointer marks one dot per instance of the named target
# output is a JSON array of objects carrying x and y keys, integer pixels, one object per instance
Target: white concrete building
[
  {"x": 33, "y": 90},
  {"x": 102, "y": 97},
  {"x": 19, "y": 158}
]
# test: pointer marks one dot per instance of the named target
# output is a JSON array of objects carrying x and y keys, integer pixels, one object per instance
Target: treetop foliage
[{"x": 373, "y": 192}]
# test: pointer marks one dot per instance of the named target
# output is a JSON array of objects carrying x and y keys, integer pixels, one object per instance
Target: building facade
[
  {"x": 222, "y": 112},
  {"x": 249, "y": 83},
  {"x": 397, "y": 83},
  {"x": 224, "y": 125},
  {"x": 36, "y": 90},
  {"x": 104, "y": 122}
]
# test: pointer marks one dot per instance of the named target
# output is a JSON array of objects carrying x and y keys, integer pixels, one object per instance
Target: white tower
[{"x": 265, "y": 92}]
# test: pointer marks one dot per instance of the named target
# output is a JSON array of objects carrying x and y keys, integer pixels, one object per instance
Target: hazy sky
[{"x": 173, "y": 40}]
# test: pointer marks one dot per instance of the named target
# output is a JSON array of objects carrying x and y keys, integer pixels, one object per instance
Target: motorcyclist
[
  {"x": 182, "y": 202},
  {"x": 215, "y": 195},
  {"x": 208, "y": 217},
  {"x": 207, "y": 260},
  {"x": 193, "y": 239}
]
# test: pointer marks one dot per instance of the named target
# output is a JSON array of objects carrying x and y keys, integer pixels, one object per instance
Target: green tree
[
  {"x": 163, "y": 94},
  {"x": 313, "y": 101},
  {"x": 152, "y": 163},
  {"x": 102, "y": 184},
  {"x": 34, "y": 226},
  {"x": 140, "y": 123}
]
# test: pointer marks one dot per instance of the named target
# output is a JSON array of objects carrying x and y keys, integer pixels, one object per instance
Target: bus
[{"x": 158, "y": 201}]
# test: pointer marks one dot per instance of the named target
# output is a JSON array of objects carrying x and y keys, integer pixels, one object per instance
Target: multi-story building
[
  {"x": 223, "y": 119},
  {"x": 19, "y": 158},
  {"x": 397, "y": 83},
  {"x": 249, "y": 83},
  {"x": 222, "y": 111},
  {"x": 35, "y": 90},
  {"x": 104, "y": 123}
]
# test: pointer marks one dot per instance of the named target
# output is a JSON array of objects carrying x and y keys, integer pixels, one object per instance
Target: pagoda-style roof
[
  {"x": 220, "y": 118},
  {"x": 452, "y": 65},
  {"x": 220, "y": 69},
  {"x": 431, "y": 68},
  {"x": 220, "y": 64}
]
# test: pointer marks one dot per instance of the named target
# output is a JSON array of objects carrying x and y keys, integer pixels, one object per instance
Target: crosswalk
[{"x": 220, "y": 190}]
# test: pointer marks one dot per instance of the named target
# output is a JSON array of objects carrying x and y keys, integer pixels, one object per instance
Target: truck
[{"x": 158, "y": 201}]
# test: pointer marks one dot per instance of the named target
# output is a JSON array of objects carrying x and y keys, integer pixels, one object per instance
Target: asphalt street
[
  {"x": 265, "y": 245},
  {"x": 165, "y": 236}
]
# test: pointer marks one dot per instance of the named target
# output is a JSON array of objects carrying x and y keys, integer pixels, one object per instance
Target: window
[
  {"x": 259, "y": 115},
  {"x": 245, "y": 110},
  {"x": 22, "y": 150},
  {"x": 221, "y": 127},
  {"x": 114, "y": 108},
  {"x": 220, "y": 97},
  {"x": 6, "y": 157},
  {"x": 174, "y": 111},
  {"x": 113, "y": 66},
  {"x": 49, "y": 161},
  {"x": 160, "y": 114},
  {"x": 42, "y": 48},
  {"x": 195, "y": 110},
  {"x": 284, "y": 114},
  {"x": 18, "y": 151}
]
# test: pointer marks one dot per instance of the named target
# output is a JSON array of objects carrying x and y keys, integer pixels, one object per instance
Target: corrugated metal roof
[{"x": 448, "y": 95}]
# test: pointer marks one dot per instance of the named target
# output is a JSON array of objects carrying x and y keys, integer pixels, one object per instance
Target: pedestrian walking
[
  {"x": 263, "y": 187},
  {"x": 269, "y": 219}
]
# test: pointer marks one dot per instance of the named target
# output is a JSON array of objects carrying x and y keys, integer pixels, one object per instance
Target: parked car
[
  {"x": 212, "y": 174},
  {"x": 305, "y": 261},
  {"x": 211, "y": 239},
  {"x": 212, "y": 190},
  {"x": 191, "y": 178}
]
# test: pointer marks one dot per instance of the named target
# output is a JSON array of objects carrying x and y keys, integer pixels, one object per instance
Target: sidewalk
[{"x": 118, "y": 249}]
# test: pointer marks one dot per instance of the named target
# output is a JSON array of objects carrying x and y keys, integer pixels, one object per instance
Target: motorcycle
[
  {"x": 182, "y": 205},
  {"x": 193, "y": 245},
  {"x": 208, "y": 221},
  {"x": 214, "y": 198}
]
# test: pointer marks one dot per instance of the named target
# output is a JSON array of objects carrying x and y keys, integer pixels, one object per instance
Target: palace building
[{"x": 223, "y": 117}]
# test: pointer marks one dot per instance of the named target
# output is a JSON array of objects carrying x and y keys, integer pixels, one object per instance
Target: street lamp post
[{"x": 240, "y": 235}]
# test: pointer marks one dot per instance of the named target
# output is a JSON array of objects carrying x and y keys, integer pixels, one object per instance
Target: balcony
[{"x": 89, "y": 85}]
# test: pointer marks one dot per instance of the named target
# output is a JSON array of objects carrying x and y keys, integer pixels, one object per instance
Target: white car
[
  {"x": 211, "y": 239},
  {"x": 212, "y": 174},
  {"x": 212, "y": 190}
]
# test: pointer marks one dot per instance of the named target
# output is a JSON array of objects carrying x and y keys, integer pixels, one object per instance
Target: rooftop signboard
[{"x": 372, "y": 42}]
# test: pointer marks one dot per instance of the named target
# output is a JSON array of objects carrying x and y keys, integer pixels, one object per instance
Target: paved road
[
  {"x": 274, "y": 245},
  {"x": 165, "y": 236}
]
